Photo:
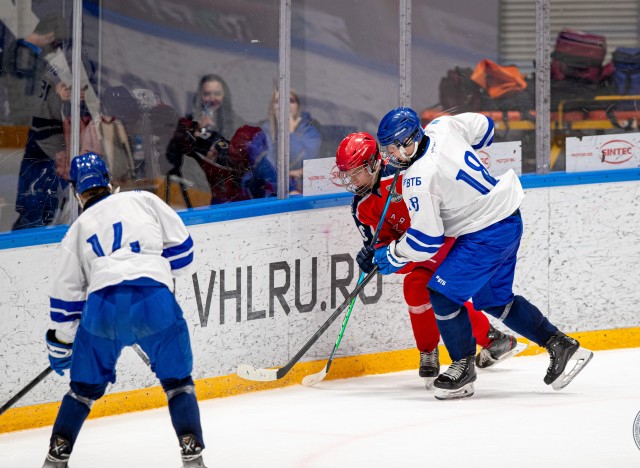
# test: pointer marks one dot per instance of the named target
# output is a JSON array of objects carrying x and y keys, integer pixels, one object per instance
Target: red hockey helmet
[{"x": 356, "y": 153}]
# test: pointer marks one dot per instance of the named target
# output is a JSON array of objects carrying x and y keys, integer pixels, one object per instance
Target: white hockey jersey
[
  {"x": 124, "y": 236},
  {"x": 448, "y": 190}
]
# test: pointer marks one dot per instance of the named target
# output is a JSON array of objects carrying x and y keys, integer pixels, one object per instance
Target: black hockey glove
[{"x": 365, "y": 258}]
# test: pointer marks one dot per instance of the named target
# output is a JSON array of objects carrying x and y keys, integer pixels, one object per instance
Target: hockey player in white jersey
[
  {"x": 449, "y": 192},
  {"x": 113, "y": 289}
]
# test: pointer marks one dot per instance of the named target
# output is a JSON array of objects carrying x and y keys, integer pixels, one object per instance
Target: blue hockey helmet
[
  {"x": 400, "y": 126},
  {"x": 88, "y": 171}
]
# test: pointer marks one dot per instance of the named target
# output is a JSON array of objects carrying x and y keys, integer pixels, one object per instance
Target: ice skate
[
  {"x": 563, "y": 350},
  {"x": 457, "y": 381},
  {"x": 59, "y": 451},
  {"x": 502, "y": 347},
  {"x": 191, "y": 452},
  {"x": 429, "y": 367}
]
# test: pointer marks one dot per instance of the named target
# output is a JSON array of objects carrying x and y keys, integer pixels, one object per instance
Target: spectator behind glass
[
  {"x": 23, "y": 67},
  {"x": 120, "y": 115},
  {"x": 212, "y": 117},
  {"x": 236, "y": 170},
  {"x": 249, "y": 146},
  {"x": 305, "y": 138},
  {"x": 45, "y": 163},
  {"x": 213, "y": 109}
]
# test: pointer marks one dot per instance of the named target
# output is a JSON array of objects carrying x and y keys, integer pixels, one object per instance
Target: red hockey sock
[
  {"x": 479, "y": 325},
  {"x": 425, "y": 329}
]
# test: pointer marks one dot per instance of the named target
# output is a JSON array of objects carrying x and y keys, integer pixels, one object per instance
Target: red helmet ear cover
[{"x": 357, "y": 150}]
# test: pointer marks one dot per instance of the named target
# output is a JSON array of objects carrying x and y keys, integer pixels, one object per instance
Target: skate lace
[
  {"x": 485, "y": 356},
  {"x": 456, "y": 369},
  {"x": 429, "y": 359}
]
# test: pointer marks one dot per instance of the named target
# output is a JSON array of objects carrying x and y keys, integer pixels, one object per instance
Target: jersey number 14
[{"x": 117, "y": 241}]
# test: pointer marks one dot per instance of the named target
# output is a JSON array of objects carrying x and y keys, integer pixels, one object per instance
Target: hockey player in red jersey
[{"x": 363, "y": 173}]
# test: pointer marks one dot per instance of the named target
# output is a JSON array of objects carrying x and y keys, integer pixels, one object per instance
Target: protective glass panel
[
  {"x": 182, "y": 88},
  {"x": 462, "y": 62},
  {"x": 595, "y": 85},
  {"x": 35, "y": 112},
  {"x": 344, "y": 77}
]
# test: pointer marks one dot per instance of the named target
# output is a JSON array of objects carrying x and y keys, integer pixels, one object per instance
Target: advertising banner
[
  {"x": 500, "y": 157},
  {"x": 603, "y": 152},
  {"x": 321, "y": 175}
]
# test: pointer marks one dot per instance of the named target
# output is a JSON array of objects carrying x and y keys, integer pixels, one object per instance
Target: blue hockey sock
[
  {"x": 524, "y": 318},
  {"x": 70, "y": 419},
  {"x": 454, "y": 325},
  {"x": 183, "y": 407}
]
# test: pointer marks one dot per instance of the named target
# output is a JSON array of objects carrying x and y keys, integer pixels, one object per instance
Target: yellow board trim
[{"x": 29, "y": 417}]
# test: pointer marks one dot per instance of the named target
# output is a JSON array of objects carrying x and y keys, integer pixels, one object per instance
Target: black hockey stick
[
  {"x": 46, "y": 372},
  {"x": 249, "y": 372},
  {"x": 313, "y": 379},
  {"x": 25, "y": 390}
]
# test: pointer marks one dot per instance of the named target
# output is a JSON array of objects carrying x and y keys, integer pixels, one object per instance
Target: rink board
[{"x": 262, "y": 286}]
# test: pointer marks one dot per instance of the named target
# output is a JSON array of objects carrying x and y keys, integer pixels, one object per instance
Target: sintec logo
[
  {"x": 616, "y": 151},
  {"x": 485, "y": 158}
]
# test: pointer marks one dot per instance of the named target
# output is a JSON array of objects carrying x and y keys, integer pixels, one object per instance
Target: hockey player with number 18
[
  {"x": 364, "y": 174},
  {"x": 449, "y": 192},
  {"x": 113, "y": 289}
]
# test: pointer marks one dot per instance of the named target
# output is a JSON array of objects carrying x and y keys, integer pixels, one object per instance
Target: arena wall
[{"x": 263, "y": 285}]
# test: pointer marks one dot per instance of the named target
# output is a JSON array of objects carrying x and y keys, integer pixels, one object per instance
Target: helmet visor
[{"x": 358, "y": 181}]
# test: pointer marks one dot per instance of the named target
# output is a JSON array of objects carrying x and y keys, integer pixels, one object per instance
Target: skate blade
[
  {"x": 428, "y": 382},
  {"x": 489, "y": 361},
  {"x": 462, "y": 392},
  {"x": 581, "y": 358}
]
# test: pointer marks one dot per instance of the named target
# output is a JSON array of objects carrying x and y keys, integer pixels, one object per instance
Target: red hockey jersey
[{"x": 366, "y": 211}]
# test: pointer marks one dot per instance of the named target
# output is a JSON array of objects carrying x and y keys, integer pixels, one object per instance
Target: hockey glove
[
  {"x": 365, "y": 258},
  {"x": 59, "y": 353},
  {"x": 387, "y": 262}
]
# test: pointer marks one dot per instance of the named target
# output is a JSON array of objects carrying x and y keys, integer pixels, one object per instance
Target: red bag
[{"x": 578, "y": 55}]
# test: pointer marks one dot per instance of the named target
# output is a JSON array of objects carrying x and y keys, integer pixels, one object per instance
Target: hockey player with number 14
[
  {"x": 364, "y": 174},
  {"x": 113, "y": 289},
  {"x": 449, "y": 192}
]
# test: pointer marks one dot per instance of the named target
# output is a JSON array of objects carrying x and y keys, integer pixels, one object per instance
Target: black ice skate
[
  {"x": 563, "y": 349},
  {"x": 59, "y": 451},
  {"x": 191, "y": 452},
  {"x": 429, "y": 367},
  {"x": 502, "y": 347},
  {"x": 457, "y": 381}
]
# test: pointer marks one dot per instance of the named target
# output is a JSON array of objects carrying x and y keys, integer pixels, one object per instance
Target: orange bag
[{"x": 498, "y": 80}]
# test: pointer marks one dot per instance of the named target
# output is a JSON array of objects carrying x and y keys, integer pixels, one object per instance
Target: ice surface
[{"x": 385, "y": 421}]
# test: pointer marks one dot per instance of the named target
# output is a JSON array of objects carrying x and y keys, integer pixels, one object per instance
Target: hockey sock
[
  {"x": 425, "y": 328},
  {"x": 70, "y": 419},
  {"x": 183, "y": 407},
  {"x": 479, "y": 325},
  {"x": 454, "y": 325},
  {"x": 524, "y": 318}
]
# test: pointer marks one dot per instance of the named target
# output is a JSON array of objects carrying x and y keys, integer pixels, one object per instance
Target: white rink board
[{"x": 578, "y": 263}]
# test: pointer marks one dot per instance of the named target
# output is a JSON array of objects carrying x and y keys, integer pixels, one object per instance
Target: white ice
[{"x": 389, "y": 420}]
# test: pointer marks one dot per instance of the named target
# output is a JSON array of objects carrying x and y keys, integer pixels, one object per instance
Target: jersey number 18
[{"x": 474, "y": 163}]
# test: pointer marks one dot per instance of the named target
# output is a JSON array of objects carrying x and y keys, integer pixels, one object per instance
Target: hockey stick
[
  {"x": 141, "y": 353},
  {"x": 312, "y": 379},
  {"x": 25, "y": 390},
  {"x": 46, "y": 372},
  {"x": 249, "y": 372}
]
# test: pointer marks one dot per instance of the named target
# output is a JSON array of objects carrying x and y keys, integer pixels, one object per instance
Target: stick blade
[
  {"x": 312, "y": 379},
  {"x": 248, "y": 372}
]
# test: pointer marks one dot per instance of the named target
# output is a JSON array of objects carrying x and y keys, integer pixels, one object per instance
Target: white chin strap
[
  {"x": 80, "y": 202},
  {"x": 410, "y": 156},
  {"x": 79, "y": 198}
]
